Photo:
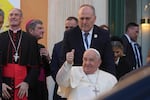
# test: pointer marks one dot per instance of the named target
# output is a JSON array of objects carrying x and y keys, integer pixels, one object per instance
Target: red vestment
[{"x": 18, "y": 74}]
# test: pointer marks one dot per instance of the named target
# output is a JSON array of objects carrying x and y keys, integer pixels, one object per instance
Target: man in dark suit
[
  {"x": 57, "y": 54},
  {"x": 132, "y": 50},
  {"x": 87, "y": 35}
]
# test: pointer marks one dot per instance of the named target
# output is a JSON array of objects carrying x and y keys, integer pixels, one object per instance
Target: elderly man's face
[
  {"x": 86, "y": 19},
  {"x": 15, "y": 18},
  {"x": 38, "y": 31},
  {"x": 91, "y": 62}
]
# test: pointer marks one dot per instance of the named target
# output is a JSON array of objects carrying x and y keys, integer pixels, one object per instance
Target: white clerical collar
[{"x": 15, "y": 31}]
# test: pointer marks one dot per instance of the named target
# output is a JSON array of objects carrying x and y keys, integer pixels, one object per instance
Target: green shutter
[{"x": 116, "y": 16}]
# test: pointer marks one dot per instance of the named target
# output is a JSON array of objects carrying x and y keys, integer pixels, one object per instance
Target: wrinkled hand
[
  {"x": 70, "y": 56},
  {"x": 44, "y": 52},
  {"x": 23, "y": 89},
  {"x": 5, "y": 93}
]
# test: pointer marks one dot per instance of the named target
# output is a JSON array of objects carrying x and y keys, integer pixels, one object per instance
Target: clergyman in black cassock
[{"x": 20, "y": 59}]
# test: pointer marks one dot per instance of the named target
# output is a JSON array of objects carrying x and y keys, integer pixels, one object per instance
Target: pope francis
[{"x": 83, "y": 82}]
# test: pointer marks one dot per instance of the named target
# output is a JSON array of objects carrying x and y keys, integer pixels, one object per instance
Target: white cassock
[{"x": 74, "y": 84}]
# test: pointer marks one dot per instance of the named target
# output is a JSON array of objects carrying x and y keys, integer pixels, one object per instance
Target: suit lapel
[
  {"x": 95, "y": 36},
  {"x": 80, "y": 42}
]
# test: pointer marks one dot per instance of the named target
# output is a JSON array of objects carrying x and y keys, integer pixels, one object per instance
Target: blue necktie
[{"x": 86, "y": 40}]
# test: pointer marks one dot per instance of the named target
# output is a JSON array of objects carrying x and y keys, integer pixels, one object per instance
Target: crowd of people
[{"x": 85, "y": 64}]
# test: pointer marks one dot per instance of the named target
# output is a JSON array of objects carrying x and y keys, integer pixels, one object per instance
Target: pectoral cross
[
  {"x": 16, "y": 57},
  {"x": 96, "y": 91}
]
